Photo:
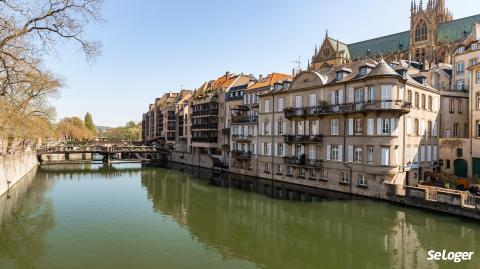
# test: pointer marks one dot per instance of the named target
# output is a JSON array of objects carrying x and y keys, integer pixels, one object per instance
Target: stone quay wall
[{"x": 14, "y": 167}]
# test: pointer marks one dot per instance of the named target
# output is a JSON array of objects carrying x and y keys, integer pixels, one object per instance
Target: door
[{"x": 461, "y": 168}]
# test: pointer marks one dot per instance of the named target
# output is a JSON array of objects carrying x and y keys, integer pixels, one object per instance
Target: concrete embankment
[{"x": 14, "y": 167}]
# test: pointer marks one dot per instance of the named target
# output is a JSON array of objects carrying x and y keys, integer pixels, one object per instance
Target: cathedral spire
[{"x": 420, "y": 5}]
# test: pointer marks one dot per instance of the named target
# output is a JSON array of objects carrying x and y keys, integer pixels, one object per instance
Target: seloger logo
[{"x": 449, "y": 256}]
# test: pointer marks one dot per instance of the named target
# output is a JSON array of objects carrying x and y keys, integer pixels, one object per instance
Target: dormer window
[
  {"x": 339, "y": 75},
  {"x": 285, "y": 85},
  {"x": 364, "y": 70},
  {"x": 461, "y": 50},
  {"x": 474, "y": 46}
]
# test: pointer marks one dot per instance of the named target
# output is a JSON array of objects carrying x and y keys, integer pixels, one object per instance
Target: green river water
[{"x": 129, "y": 216}]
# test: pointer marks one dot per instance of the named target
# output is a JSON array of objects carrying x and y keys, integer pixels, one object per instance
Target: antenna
[{"x": 299, "y": 66}]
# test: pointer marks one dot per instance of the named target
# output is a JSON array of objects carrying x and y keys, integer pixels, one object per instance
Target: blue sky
[{"x": 152, "y": 47}]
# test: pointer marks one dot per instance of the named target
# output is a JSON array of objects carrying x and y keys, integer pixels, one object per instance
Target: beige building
[
  {"x": 351, "y": 128},
  {"x": 209, "y": 116},
  {"x": 244, "y": 125}
]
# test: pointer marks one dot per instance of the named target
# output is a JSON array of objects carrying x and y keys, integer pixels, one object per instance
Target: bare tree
[{"x": 29, "y": 28}]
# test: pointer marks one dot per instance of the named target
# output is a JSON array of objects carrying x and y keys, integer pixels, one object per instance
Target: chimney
[
  {"x": 260, "y": 77},
  {"x": 476, "y": 31},
  {"x": 227, "y": 74}
]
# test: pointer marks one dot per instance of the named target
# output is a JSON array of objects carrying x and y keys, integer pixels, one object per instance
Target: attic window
[
  {"x": 461, "y": 50},
  {"x": 474, "y": 46},
  {"x": 339, "y": 75},
  {"x": 364, "y": 70},
  {"x": 305, "y": 80}
]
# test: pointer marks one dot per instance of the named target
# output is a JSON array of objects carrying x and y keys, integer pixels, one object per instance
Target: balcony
[
  {"x": 247, "y": 119},
  {"x": 171, "y": 118},
  {"x": 387, "y": 105},
  {"x": 300, "y": 139},
  {"x": 205, "y": 126},
  {"x": 242, "y": 137},
  {"x": 204, "y": 139},
  {"x": 205, "y": 112},
  {"x": 302, "y": 161},
  {"x": 238, "y": 154}
]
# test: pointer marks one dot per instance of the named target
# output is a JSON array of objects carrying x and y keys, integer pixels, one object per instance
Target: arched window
[{"x": 421, "y": 31}]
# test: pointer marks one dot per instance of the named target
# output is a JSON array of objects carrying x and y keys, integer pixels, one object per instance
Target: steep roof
[
  {"x": 450, "y": 31},
  {"x": 339, "y": 46},
  {"x": 269, "y": 80},
  {"x": 380, "y": 45},
  {"x": 383, "y": 69},
  {"x": 455, "y": 30}
]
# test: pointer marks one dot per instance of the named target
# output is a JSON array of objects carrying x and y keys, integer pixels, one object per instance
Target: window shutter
[
  {"x": 284, "y": 127},
  {"x": 370, "y": 127},
  {"x": 332, "y": 95},
  {"x": 307, "y": 128},
  {"x": 350, "y": 95},
  {"x": 318, "y": 127},
  {"x": 379, "y": 126},
  {"x": 293, "y": 149},
  {"x": 422, "y": 127},
  {"x": 262, "y": 148},
  {"x": 393, "y": 126},
  {"x": 429, "y": 153},
  {"x": 350, "y": 126},
  {"x": 284, "y": 149},
  {"x": 275, "y": 129},
  {"x": 254, "y": 148},
  {"x": 434, "y": 128},
  {"x": 340, "y": 152},
  {"x": 332, "y": 131},
  {"x": 313, "y": 100},
  {"x": 275, "y": 148},
  {"x": 340, "y": 96},
  {"x": 350, "y": 154},
  {"x": 328, "y": 152},
  {"x": 292, "y": 127},
  {"x": 435, "y": 152},
  {"x": 365, "y": 95}
]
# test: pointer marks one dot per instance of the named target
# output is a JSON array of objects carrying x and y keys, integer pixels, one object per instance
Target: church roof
[
  {"x": 340, "y": 45},
  {"x": 455, "y": 30},
  {"x": 450, "y": 31},
  {"x": 380, "y": 45}
]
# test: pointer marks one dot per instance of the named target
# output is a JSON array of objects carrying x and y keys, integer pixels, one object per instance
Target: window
[
  {"x": 422, "y": 153},
  {"x": 281, "y": 103},
  {"x": 424, "y": 102},
  {"x": 478, "y": 76},
  {"x": 344, "y": 177},
  {"x": 339, "y": 75},
  {"x": 301, "y": 172},
  {"x": 358, "y": 128},
  {"x": 313, "y": 100},
  {"x": 460, "y": 106},
  {"x": 370, "y": 151},
  {"x": 459, "y": 152},
  {"x": 460, "y": 85},
  {"x": 267, "y": 168},
  {"x": 312, "y": 173},
  {"x": 478, "y": 100},
  {"x": 448, "y": 164},
  {"x": 386, "y": 96},
  {"x": 451, "y": 105},
  {"x": 430, "y": 103},
  {"x": 416, "y": 125},
  {"x": 290, "y": 171},
  {"x": 371, "y": 94},
  {"x": 334, "y": 127},
  {"x": 266, "y": 128},
  {"x": 409, "y": 96},
  {"x": 456, "y": 129},
  {"x": 385, "y": 157},
  {"x": 280, "y": 150},
  {"x": 429, "y": 153},
  {"x": 417, "y": 100},
  {"x": 334, "y": 153},
  {"x": 385, "y": 126},
  {"x": 266, "y": 108},
  {"x": 357, "y": 156},
  {"x": 363, "y": 71},
  {"x": 478, "y": 129},
  {"x": 361, "y": 180},
  {"x": 472, "y": 62},
  {"x": 358, "y": 96},
  {"x": 474, "y": 46},
  {"x": 280, "y": 127},
  {"x": 461, "y": 50},
  {"x": 323, "y": 173},
  {"x": 460, "y": 68},
  {"x": 421, "y": 31},
  {"x": 298, "y": 101},
  {"x": 299, "y": 127},
  {"x": 279, "y": 169}
]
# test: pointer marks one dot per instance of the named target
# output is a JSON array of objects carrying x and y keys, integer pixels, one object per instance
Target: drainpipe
[{"x": 272, "y": 129}]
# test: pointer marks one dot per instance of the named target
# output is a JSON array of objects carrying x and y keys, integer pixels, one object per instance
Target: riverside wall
[{"x": 14, "y": 167}]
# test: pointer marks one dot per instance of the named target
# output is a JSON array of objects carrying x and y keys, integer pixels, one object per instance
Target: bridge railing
[{"x": 99, "y": 149}]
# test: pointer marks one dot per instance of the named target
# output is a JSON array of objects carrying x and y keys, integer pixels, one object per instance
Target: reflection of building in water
[
  {"x": 279, "y": 234},
  {"x": 404, "y": 244},
  {"x": 25, "y": 217}
]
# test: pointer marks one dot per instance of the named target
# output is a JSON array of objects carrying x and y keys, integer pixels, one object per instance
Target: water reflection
[
  {"x": 330, "y": 234},
  {"x": 24, "y": 220}
]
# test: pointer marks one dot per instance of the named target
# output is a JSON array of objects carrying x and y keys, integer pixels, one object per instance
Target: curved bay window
[{"x": 421, "y": 31}]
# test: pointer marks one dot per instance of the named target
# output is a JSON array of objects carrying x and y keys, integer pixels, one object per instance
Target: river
[{"x": 134, "y": 216}]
